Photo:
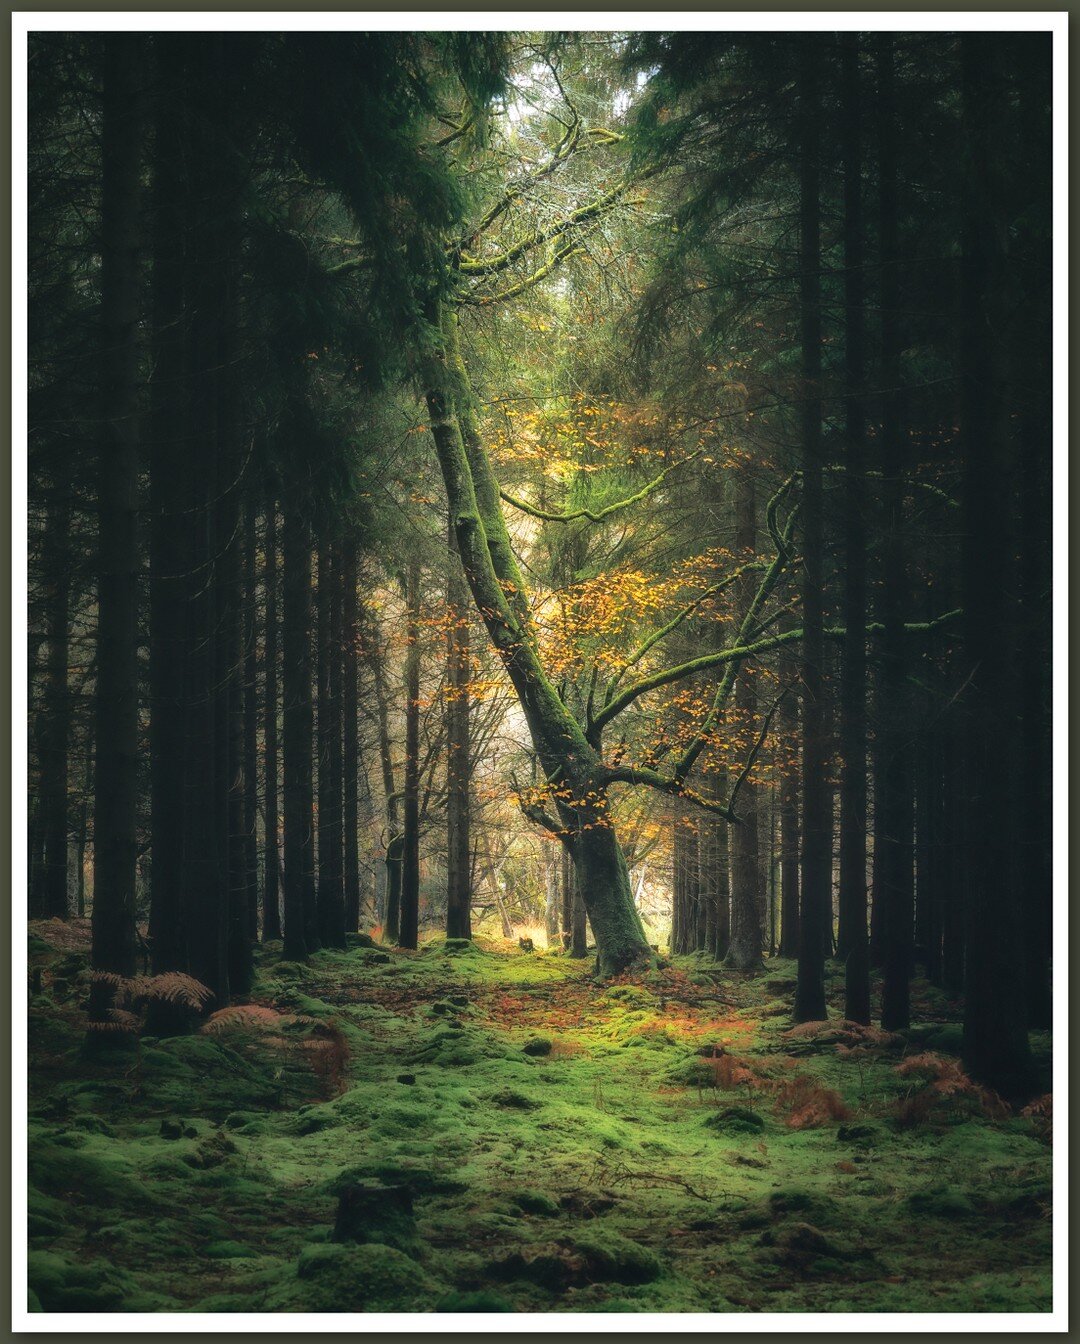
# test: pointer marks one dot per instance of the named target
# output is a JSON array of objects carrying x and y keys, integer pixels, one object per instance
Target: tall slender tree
[{"x": 116, "y": 692}]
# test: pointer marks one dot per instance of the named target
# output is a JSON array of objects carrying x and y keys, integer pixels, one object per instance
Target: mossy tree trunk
[{"x": 569, "y": 760}]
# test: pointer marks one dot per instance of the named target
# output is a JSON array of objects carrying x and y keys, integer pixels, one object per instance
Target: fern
[
  {"x": 118, "y": 1000},
  {"x": 808, "y": 1105},
  {"x": 944, "y": 1081}
]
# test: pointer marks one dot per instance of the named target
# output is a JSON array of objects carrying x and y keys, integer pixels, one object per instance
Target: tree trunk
[
  {"x": 116, "y": 691},
  {"x": 331, "y": 888},
  {"x": 251, "y": 717},
  {"x": 995, "y": 1038},
  {"x": 458, "y": 752},
  {"x": 816, "y": 870},
  {"x": 55, "y": 731},
  {"x": 394, "y": 839},
  {"x": 297, "y": 725},
  {"x": 721, "y": 835},
  {"x": 563, "y": 750},
  {"x": 171, "y": 494},
  {"x": 747, "y": 894},
  {"x": 551, "y": 895},
  {"x": 851, "y": 929},
  {"x": 410, "y": 850},
  {"x": 789, "y": 839},
  {"x": 350, "y": 670},
  {"x": 895, "y": 803},
  {"x": 271, "y": 911}
]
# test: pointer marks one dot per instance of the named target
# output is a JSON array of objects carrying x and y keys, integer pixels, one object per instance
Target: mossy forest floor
[{"x": 551, "y": 1144}]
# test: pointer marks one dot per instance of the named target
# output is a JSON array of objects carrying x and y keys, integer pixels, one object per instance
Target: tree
[
  {"x": 116, "y": 692},
  {"x": 816, "y": 869},
  {"x": 851, "y": 924},
  {"x": 458, "y": 753},
  {"x": 995, "y": 1039}
]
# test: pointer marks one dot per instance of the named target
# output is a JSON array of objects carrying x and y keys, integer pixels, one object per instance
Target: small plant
[
  {"x": 117, "y": 1002},
  {"x": 808, "y": 1104},
  {"x": 945, "y": 1084},
  {"x": 323, "y": 1044},
  {"x": 1041, "y": 1113}
]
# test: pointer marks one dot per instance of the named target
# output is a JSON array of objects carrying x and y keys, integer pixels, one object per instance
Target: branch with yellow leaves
[{"x": 597, "y": 515}]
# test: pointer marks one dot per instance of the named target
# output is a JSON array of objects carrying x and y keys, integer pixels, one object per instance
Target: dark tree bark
[
  {"x": 851, "y": 926},
  {"x": 297, "y": 727},
  {"x": 816, "y": 867},
  {"x": 331, "y": 887},
  {"x": 394, "y": 839},
  {"x": 271, "y": 911},
  {"x": 895, "y": 804},
  {"x": 789, "y": 837},
  {"x": 747, "y": 892},
  {"x": 116, "y": 692},
  {"x": 579, "y": 934},
  {"x": 350, "y": 712},
  {"x": 53, "y": 738},
  {"x": 566, "y": 889},
  {"x": 1031, "y": 393},
  {"x": 458, "y": 752},
  {"x": 251, "y": 716},
  {"x": 995, "y": 1037},
  {"x": 410, "y": 852},
  {"x": 722, "y": 878},
  {"x": 171, "y": 495}
]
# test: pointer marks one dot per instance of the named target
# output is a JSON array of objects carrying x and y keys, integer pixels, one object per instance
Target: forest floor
[{"x": 516, "y": 1137}]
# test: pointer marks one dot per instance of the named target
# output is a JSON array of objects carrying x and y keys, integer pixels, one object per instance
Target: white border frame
[{"x": 531, "y": 1323}]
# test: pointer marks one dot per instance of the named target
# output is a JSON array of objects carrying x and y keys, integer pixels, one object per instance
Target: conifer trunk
[
  {"x": 410, "y": 849},
  {"x": 55, "y": 731},
  {"x": 271, "y": 892},
  {"x": 297, "y": 725},
  {"x": 747, "y": 894},
  {"x": 350, "y": 669},
  {"x": 171, "y": 582},
  {"x": 852, "y": 911},
  {"x": 996, "y": 1048},
  {"x": 116, "y": 692},
  {"x": 895, "y": 804},
  {"x": 816, "y": 866},
  {"x": 331, "y": 885},
  {"x": 458, "y": 752}
]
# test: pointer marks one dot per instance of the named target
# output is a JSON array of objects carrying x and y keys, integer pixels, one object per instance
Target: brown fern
[
  {"x": 1041, "y": 1113},
  {"x": 944, "y": 1082},
  {"x": 808, "y": 1105}
]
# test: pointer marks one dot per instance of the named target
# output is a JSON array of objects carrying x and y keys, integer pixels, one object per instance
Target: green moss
[
  {"x": 345, "y": 1277},
  {"x": 484, "y": 1301},
  {"x": 612, "y": 1258},
  {"x": 940, "y": 1203},
  {"x": 735, "y": 1120},
  {"x": 539, "y": 1183},
  {"x": 228, "y": 1250}
]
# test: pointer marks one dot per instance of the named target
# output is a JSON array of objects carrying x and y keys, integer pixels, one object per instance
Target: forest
[{"x": 539, "y": 681}]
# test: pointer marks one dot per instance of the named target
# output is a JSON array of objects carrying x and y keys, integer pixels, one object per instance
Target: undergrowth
[{"x": 523, "y": 1139}]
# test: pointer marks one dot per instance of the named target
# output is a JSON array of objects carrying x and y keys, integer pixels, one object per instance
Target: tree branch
[{"x": 597, "y": 515}]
